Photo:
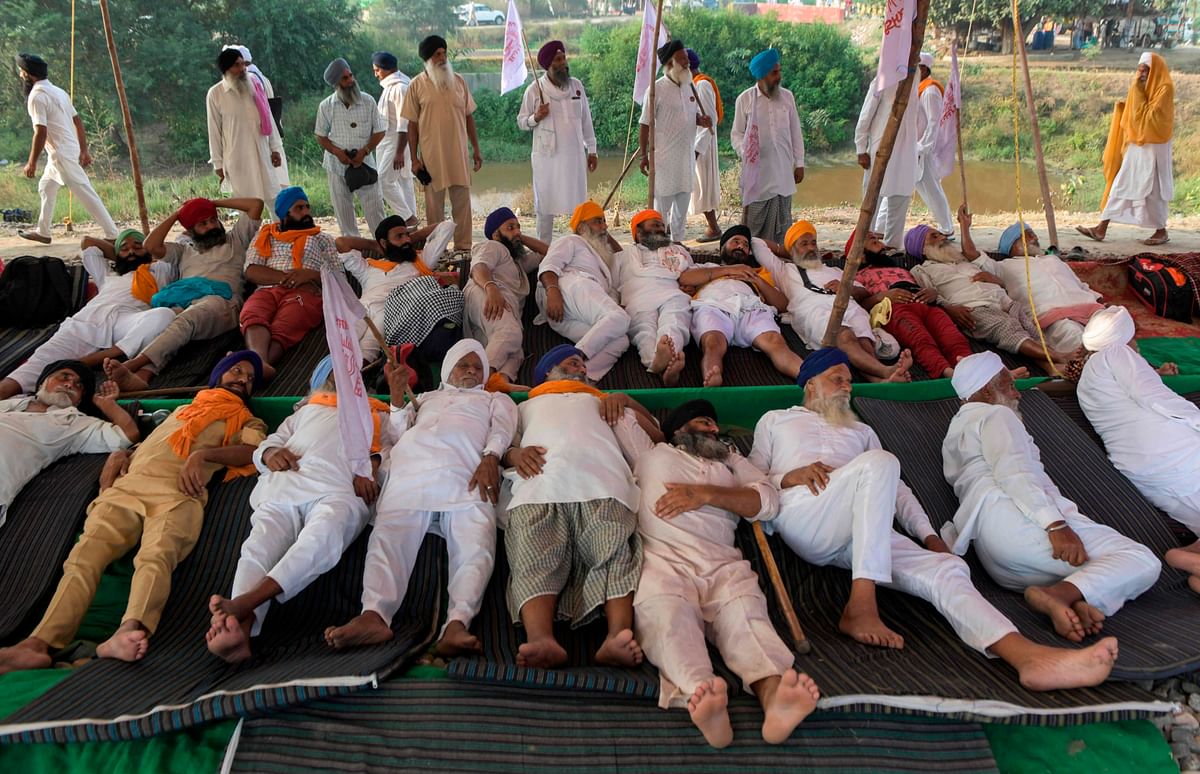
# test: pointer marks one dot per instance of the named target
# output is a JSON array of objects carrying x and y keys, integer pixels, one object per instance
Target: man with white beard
[
  {"x": 348, "y": 128},
  {"x": 438, "y": 108},
  {"x": 243, "y": 145},
  {"x": 259, "y": 79},
  {"x": 679, "y": 132},
  {"x": 660, "y": 312},
  {"x": 555, "y": 109},
  {"x": 901, "y": 176},
  {"x": 395, "y": 159},
  {"x": 578, "y": 284}
]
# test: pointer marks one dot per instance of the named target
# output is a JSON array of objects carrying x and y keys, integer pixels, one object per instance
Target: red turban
[
  {"x": 547, "y": 53},
  {"x": 195, "y": 210}
]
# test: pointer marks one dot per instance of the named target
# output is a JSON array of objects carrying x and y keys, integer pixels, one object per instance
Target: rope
[
  {"x": 70, "y": 219},
  {"x": 1016, "y": 17}
]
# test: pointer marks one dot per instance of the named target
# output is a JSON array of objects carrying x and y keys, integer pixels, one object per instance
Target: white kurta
[
  {"x": 281, "y": 171},
  {"x": 1143, "y": 187},
  {"x": 780, "y": 141},
  {"x": 928, "y": 184},
  {"x": 561, "y": 144},
  {"x": 953, "y": 283},
  {"x": 650, "y": 293},
  {"x": 396, "y": 185},
  {"x": 706, "y": 193},
  {"x": 377, "y": 284},
  {"x": 503, "y": 336},
  {"x": 675, "y": 138},
  {"x": 1055, "y": 286},
  {"x": 237, "y": 146},
  {"x": 901, "y": 175}
]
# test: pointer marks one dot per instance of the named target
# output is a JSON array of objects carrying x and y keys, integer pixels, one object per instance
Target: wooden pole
[
  {"x": 133, "y": 154},
  {"x": 391, "y": 357},
  {"x": 1047, "y": 202},
  {"x": 162, "y": 392},
  {"x": 962, "y": 164},
  {"x": 650, "y": 97},
  {"x": 803, "y": 646},
  {"x": 628, "y": 161},
  {"x": 866, "y": 212},
  {"x": 532, "y": 69},
  {"x": 700, "y": 106},
  {"x": 620, "y": 179}
]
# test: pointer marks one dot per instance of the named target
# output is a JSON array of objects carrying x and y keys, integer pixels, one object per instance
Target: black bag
[
  {"x": 35, "y": 292},
  {"x": 1162, "y": 286}
]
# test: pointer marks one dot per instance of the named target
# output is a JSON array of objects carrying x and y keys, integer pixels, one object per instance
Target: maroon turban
[
  {"x": 547, "y": 53},
  {"x": 195, "y": 210}
]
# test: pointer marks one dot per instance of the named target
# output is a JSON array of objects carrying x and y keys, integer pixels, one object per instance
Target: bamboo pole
[
  {"x": 133, "y": 153},
  {"x": 162, "y": 392},
  {"x": 532, "y": 69},
  {"x": 391, "y": 358},
  {"x": 1047, "y": 202},
  {"x": 803, "y": 646},
  {"x": 650, "y": 97},
  {"x": 866, "y": 212},
  {"x": 70, "y": 219},
  {"x": 621, "y": 179},
  {"x": 628, "y": 161},
  {"x": 962, "y": 163}
]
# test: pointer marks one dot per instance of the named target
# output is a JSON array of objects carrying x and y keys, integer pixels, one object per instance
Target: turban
[
  {"x": 819, "y": 362},
  {"x": 668, "y": 50},
  {"x": 1108, "y": 326},
  {"x": 764, "y": 62},
  {"x": 974, "y": 372},
  {"x": 1145, "y": 59},
  {"x": 914, "y": 240},
  {"x": 641, "y": 218},
  {"x": 495, "y": 220},
  {"x": 384, "y": 60},
  {"x": 195, "y": 210},
  {"x": 386, "y": 225},
  {"x": 321, "y": 373},
  {"x": 232, "y": 359},
  {"x": 336, "y": 69},
  {"x": 1010, "y": 237},
  {"x": 228, "y": 58},
  {"x": 286, "y": 198},
  {"x": 693, "y": 59},
  {"x": 589, "y": 210},
  {"x": 245, "y": 52},
  {"x": 551, "y": 359},
  {"x": 429, "y": 46},
  {"x": 87, "y": 380},
  {"x": 461, "y": 349},
  {"x": 849, "y": 244},
  {"x": 547, "y": 53},
  {"x": 926, "y": 59},
  {"x": 33, "y": 64},
  {"x": 797, "y": 230},
  {"x": 693, "y": 409},
  {"x": 736, "y": 230},
  {"x": 129, "y": 232}
]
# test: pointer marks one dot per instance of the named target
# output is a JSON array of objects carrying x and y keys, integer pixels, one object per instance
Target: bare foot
[
  {"x": 365, "y": 629},
  {"x": 1186, "y": 558},
  {"x": 866, "y": 627},
  {"x": 1050, "y": 669},
  {"x": 1193, "y": 584},
  {"x": 27, "y": 654},
  {"x": 713, "y": 377},
  {"x": 221, "y": 607},
  {"x": 794, "y": 700},
  {"x": 229, "y": 639},
  {"x": 1066, "y": 621},
  {"x": 620, "y": 649},
  {"x": 947, "y": 373},
  {"x": 268, "y": 371},
  {"x": 1020, "y": 372},
  {"x": 662, "y": 355},
  {"x": 128, "y": 645},
  {"x": 543, "y": 653},
  {"x": 899, "y": 372},
  {"x": 457, "y": 641},
  {"x": 709, "y": 708},
  {"x": 127, "y": 381},
  {"x": 1090, "y": 617},
  {"x": 670, "y": 376}
]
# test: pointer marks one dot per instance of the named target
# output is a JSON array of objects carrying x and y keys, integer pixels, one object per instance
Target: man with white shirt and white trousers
[
  {"x": 395, "y": 159},
  {"x": 930, "y": 93},
  {"x": 243, "y": 144},
  {"x": 660, "y": 312},
  {"x": 901, "y": 176}
]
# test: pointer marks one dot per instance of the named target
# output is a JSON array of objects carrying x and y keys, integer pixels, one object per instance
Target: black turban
[
  {"x": 693, "y": 409},
  {"x": 386, "y": 225},
  {"x": 87, "y": 379},
  {"x": 33, "y": 64},
  {"x": 228, "y": 58},
  {"x": 668, "y": 50},
  {"x": 429, "y": 46},
  {"x": 384, "y": 60},
  {"x": 735, "y": 230}
]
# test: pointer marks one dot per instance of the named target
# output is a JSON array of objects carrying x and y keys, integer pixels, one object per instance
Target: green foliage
[
  {"x": 946, "y": 13},
  {"x": 423, "y": 17}
]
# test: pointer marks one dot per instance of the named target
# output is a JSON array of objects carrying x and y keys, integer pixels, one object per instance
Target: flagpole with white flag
[
  {"x": 342, "y": 311},
  {"x": 897, "y": 37},
  {"x": 948, "y": 141},
  {"x": 513, "y": 71},
  {"x": 647, "y": 58}
]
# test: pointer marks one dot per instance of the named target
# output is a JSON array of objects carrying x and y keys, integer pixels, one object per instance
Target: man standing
[
  {"x": 395, "y": 160},
  {"x": 260, "y": 81},
  {"x": 438, "y": 107},
  {"x": 1137, "y": 158},
  {"x": 243, "y": 146},
  {"x": 58, "y": 130},
  {"x": 706, "y": 195},
  {"x": 555, "y": 108},
  {"x": 929, "y": 186},
  {"x": 348, "y": 128},
  {"x": 901, "y": 176},
  {"x": 767, "y": 137},
  {"x": 676, "y": 138}
]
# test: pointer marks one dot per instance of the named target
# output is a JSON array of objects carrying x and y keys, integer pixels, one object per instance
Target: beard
[
  {"x": 771, "y": 88},
  {"x": 60, "y": 398},
  {"x": 558, "y": 373},
  {"x": 401, "y": 253},
  {"x": 808, "y": 261},
  {"x": 441, "y": 75},
  {"x": 599, "y": 243},
  {"x": 237, "y": 82},
  {"x": 126, "y": 265},
  {"x": 706, "y": 446},
  {"x": 834, "y": 409},
  {"x": 559, "y": 75},
  {"x": 735, "y": 256},
  {"x": 516, "y": 248},
  {"x": 1012, "y": 403},
  {"x": 676, "y": 73},
  {"x": 348, "y": 94},
  {"x": 26, "y": 86},
  {"x": 291, "y": 224},
  {"x": 209, "y": 239},
  {"x": 944, "y": 253},
  {"x": 654, "y": 241}
]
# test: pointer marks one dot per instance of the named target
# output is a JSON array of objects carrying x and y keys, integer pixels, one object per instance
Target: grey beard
[
  {"x": 835, "y": 410},
  {"x": 239, "y": 84},
  {"x": 944, "y": 253},
  {"x": 808, "y": 261},
  {"x": 348, "y": 94},
  {"x": 56, "y": 399},
  {"x": 559, "y": 77},
  {"x": 601, "y": 246},
  {"x": 1015, "y": 405},
  {"x": 654, "y": 241},
  {"x": 442, "y": 77},
  {"x": 558, "y": 374},
  {"x": 771, "y": 89},
  {"x": 706, "y": 446}
]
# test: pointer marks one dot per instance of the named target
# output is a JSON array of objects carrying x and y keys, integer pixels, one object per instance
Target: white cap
[
  {"x": 1145, "y": 59},
  {"x": 927, "y": 59},
  {"x": 974, "y": 372},
  {"x": 1108, "y": 326},
  {"x": 245, "y": 52}
]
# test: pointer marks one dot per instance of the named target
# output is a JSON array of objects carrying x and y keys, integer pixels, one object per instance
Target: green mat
[
  {"x": 1096, "y": 748},
  {"x": 1184, "y": 353}
]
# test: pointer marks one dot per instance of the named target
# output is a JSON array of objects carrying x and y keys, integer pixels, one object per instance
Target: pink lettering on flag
[{"x": 343, "y": 311}]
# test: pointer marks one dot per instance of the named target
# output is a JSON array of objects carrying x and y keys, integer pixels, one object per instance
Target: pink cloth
[
  {"x": 264, "y": 109},
  {"x": 1080, "y": 313},
  {"x": 879, "y": 279}
]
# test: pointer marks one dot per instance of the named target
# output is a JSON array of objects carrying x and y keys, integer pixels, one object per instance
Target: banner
[
  {"x": 647, "y": 58},
  {"x": 897, "y": 43},
  {"x": 751, "y": 150},
  {"x": 945, "y": 146},
  {"x": 343, "y": 311},
  {"x": 514, "y": 71}
]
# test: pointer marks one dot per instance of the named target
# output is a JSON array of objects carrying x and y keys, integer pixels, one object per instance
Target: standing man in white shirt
[
  {"x": 348, "y": 128},
  {"x": 395, "y": 159},
  {"x": 58, "y": 130},
  {"x": 929, "y": 186},
  {"x": 555, "y": 109},
  {"x": 706, "y": 195},
  {"x": 767, "y": 137},
  {"x": 243, "y": 145},
  {"x": 901, "y": 176}
]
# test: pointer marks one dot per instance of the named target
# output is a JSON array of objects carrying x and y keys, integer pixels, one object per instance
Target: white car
[{"x": 483, "y": 14}]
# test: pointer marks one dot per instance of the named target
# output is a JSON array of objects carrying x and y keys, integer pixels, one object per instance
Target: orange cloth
[
  {"x": 716, "y": 91},
  {"x": 586, "y": 211},
  {"x": 925, "y": 84},
  {"x": 1147, "y": 116},
  {"x": 298, "y": 238},
  {"x": 212, "y": 405},
  {"x": 386, "y": 266},
  {"x": 766, "y": 275},
  {"x": 562, "y": 387},
  {"x": 497, "y": 382},
  {"x": 797, "y": 230},
  {"x": 377, "y": 406},
  {"x": 641, "y": 218},
  {"x": 144, "y": 285}
]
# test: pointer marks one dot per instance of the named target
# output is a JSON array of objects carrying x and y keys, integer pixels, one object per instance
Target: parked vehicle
[{"x": 482, "y": 14}]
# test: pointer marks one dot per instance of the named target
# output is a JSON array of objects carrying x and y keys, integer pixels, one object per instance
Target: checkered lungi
[
  {"x": 770, "y": 218},
  {"x": 1007, "y": 329}
]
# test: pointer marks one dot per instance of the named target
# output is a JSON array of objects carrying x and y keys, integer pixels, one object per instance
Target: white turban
[
  {"x": 927, "y": 59},
  {"x": 456, "y": 353},
  {"x": 974, "y": 372},
  {"x": 1108, "y": 326},
  {"x": 1145, "y": 59},
  {"x": 245, "y": 52}
]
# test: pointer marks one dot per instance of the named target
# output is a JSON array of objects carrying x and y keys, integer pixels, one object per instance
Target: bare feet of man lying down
[
  {"x": 861, "y": 621},
  {"x": 794, "y": 700},
  {"x": 709, "y": 709},
  {"x": 228, "y": 637},
  {"x": 457, "y": 641},
  {"x": 541, "y": 653},
  {"x": 368, "y": 628},
  {"x": 128, "y": 643},
  {"x": 29, "y": 653},
  {"x": 1060, "y": 612},
  {"x": 620, "y": 649},
  {"x": 662, "y": 355}
]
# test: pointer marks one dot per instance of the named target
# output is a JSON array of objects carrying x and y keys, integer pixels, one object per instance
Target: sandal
[{"x": 1089, "y": 232}]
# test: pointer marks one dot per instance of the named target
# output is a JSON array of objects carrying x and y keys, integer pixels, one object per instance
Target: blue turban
[
  {"x": 321, "y": 373},
  {"x": 286, "y": 198},
  {"x": 1010, "y": 237},
  {"x": 384, "y": 60},
  {"x": 232, "y": 359},
  {"x": 764, "y": 62},
  {"x": 551, "y": 359},
  {"x": 693, "y": 59},
  {"x": 495, "y": 220},
  {"x": 819, "y": 362}
]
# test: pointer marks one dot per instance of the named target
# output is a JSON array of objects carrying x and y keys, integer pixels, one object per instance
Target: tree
[{"x": 998, "y": 13}]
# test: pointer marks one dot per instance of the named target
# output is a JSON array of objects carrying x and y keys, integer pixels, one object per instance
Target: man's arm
[
  {"x": 970, "y": 252},
  {"x": 345, "y": 244},
  {"x": 191, "y": 477},
  {"x": 35, "y": 151},
  {"x": 797, "y": 133},
  {"x": 155, "y": 243},
  {"x": 104, "y": 246},
  {"x": 248, "y": 204},
  {"x": 106, "y": 400},
  {"x": 85, "y": 158},
  {"x": 536, "y": 245},
  {"x": 862, "y": 130},
  {"x": 334, "y": 150},
  {"x": 474, "y": 137}
]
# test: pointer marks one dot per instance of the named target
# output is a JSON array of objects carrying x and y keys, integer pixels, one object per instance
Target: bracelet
[
  {"x": 1064, "y": 525},
  {"x": 553, "y": 287},
  {"x": 489, "y": 283}
]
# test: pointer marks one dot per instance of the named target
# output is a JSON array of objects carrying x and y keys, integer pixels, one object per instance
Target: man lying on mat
[
  {"x": 841, "y": 493},
  {"x": 443, "y": 476},
  {"x": 1028, "y": 536},
  {"x": 695, "y": 582},
  {"x": 309, "y": 506},
  {"x": 571, "y": 537},
  {"x": 159, "y": 502}
]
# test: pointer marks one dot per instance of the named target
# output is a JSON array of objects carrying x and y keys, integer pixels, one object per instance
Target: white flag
[
  {"x": 514, "y": 71},
  {"x": 897, "y": 43},
  {"x": 342, "y": 311},
  {"x": 945, "y": 145},
  {"x": 647, "y": 58}
]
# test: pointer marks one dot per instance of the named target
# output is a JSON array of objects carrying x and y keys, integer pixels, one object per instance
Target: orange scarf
[
  {"x": 298, "y": 238},
  {"x": 387, "y": 266},
  {"x": 211, "y": 405},
  {"x": 925, "y": 84},
  {"x": 562, "y": 387},
  {"x": 716, "y": 93},
  {"x": 144, "y": 285},
  {"x": 330, "y": 399}
]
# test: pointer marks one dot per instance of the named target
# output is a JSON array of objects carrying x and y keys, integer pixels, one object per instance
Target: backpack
[
  {"x": 1162, "y": 286},
  {"x": 35, "y": 292}
]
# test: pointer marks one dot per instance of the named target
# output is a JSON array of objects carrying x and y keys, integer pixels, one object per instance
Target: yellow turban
[
  {"x": 586, "y": 211},
  {"x": 641, "y": 218},
  {"x": 798, "y": 229}
]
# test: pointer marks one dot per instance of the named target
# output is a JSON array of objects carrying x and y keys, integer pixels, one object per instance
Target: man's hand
[
  {"x": 115, "y": 466},
  {"x": 220, "y": 175},
  {"x": 680, "y": 498},
  {"x": 540, "y": 114},
  {"x": 961, "y": 316},
  {"x": 643, "y": 165},
  {"x": 798, "y": 175},
  {"x": 936, "y": 544},
  {"x": 1067, "y": 546},
  {"x": 486, "y": 479},
  {"x": 106, "y": 396},
  {"x": 612, "y": 407},
  {"x": 191, "y": 477},
  {"x": 398, "y": 162},
  {"x": 704, "y": 122},
  {"x": 1167, "y": 369},
  {"x": 593, "y": 162},
  {"x": 833, "y": 285},
  {"x": 399, "y": 377},
  {"x": 418, "y": 165},
  {"x": 478, "y": 159},
  {"x": 344, "y": 157},
  {"x": 554, "y": 303},
  {"x": 298, "y": 277},
  {"x": 30, "y": 169},
  {"x": 900, "y": 296},
  {"x": 925, "y": 296},
  {"x": 987, "y": 276},
  {"x": 528, "y": 460},
  {"x": 738, "y": 271},
  {"x": 964, "y": 217},
  {"x": 357, "y": 159},
  {"x": 281, "y": 458},
  {"x": 493, "y": 307},
  {"x": 814, "y": 476},
  {"x": 864, "y": 160},
  {"x": 366, "y": 488},
  {"x": 85, "y": 158},
  {"x": 276, "y": 159}
]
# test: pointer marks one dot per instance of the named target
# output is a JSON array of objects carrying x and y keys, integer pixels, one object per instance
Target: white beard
[
  {"x": 945, "y": 253},
  {"x": 808, "y": 262},
  {"x": 442, "y": 77},
  {"x": 239, "y": 85},
  {"x": 601, "y": 247},
  {"x": 834, "y": 410},
  {"x": 60, "y": 398},
  {"x": 675, "y": 72}
]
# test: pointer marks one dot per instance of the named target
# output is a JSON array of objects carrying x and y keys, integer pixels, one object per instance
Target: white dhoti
[
  {"x": 810, "y": 314},
  {"x": 596, "y": 323},
  {"x": 929, "y": 188},
  {"x": 1143, "y": 187},
  {"x": 296, "y": 544},
  {"x": 501, "y": 337},
  {"x": 1064, "y": 335},
  {"x": 673, "y": 318},
  {"x": 889, "y": 219},
  {"x": 61, "y": 171},
  {"x": 1185, "y": 510},
  {"x": 343, "y": 204},
  {"x": 470, "y": 535}
]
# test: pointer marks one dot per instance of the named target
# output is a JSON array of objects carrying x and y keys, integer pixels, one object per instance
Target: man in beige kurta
[{"x": 245, "y": 160}]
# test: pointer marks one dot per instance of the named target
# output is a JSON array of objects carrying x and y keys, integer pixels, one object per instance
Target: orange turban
[
  {"x": 641, "y": 218},
  {"x": 798, "y": 229},
  {"x": 586, "y": 211}
]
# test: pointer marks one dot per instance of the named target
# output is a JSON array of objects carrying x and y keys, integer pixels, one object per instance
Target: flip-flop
[
  {"x": 1089, "y": 232},
  {"x": 34, "y": 236},
  {"x": 1155, "y": 241}
]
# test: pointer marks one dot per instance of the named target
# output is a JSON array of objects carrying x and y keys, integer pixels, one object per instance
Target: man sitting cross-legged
[
  {"x": 695, "y": 583},
  {"x": 443, "y": 476},
  {"x": 571, "y": 537},
  {"x": 1028, "y": 536},
  {"x": 841, "y": 493},
  {"x": 309, "y": 506},
  {"x": 159, "y": 502}
]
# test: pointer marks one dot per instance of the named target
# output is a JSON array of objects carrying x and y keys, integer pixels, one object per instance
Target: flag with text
[{"x": 343, "y": 311}]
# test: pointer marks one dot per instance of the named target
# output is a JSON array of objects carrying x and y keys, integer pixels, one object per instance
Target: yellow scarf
[
  {"x": 387, "y": 266},
  {"x": 144, "y": 285},
  {"x": 211, "y": 405},
  {"x": 330, "y": 399},
  {"x": 925, "y": 84},
  {"x": 1147, "y": 116},
  {"x": 562, "y": 387},
  {"x": 298, "y": 238},
  {"x": 716, "y": 93}
]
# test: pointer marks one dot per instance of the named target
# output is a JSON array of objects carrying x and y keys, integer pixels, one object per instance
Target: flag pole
[
  {"x": 650, "y": 97},
  {"x": 391, "y": 357},
  {"x": 1047, "y": 202},
  {"x": 962, "y": 164},
  {"x": 532, "y": 69},
  {"x": 133, "y": 153}
]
